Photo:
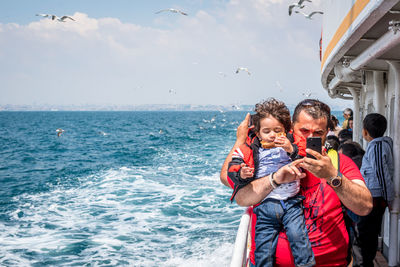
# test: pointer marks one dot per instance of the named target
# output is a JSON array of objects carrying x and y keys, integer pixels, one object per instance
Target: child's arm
[
  {"x": 239, "y": 173},
  {"x": 246, "y": 172}
]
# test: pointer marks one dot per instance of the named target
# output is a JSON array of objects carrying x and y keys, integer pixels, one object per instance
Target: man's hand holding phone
[{"x": 318, "y": 162}]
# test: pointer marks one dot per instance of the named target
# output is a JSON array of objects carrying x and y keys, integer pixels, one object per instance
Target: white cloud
[{"x": 105, "y": 60}]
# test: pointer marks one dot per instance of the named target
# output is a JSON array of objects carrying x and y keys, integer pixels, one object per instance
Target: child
[
  {"x": 377, "y": 169},
  {"x": 266, "y": 151}
]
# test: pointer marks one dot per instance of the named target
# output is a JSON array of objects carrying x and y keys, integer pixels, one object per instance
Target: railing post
[
  {"x": 239, "y": 256},
  {"x": 395, "y": 207}
]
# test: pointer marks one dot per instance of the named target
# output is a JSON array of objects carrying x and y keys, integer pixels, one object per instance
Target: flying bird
[
  {"x": 59, "y": 132},
  {"x": 293, "y": 6},
  {"x": 302, "y": 1},
  {"x": 279, "y": 86},
  {"x": 173, "y": 10},
  {"x": 243, "y": 69},
  {"x": 172, "y": 91},
  {"x": 63, "y": 18},
  {"x": 222, "y": 74},
  {"x": 308, "y": 94},
  {"x": 54, "y": 17},
  {"x": 236, "y": 107},
  {"x": 309, "y": 16}
]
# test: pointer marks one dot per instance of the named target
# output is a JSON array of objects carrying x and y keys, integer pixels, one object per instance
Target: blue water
[{"x": 116, "y": 188}]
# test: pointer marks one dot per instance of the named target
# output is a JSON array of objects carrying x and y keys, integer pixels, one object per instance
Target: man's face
[{"x": 307, "y": 126}]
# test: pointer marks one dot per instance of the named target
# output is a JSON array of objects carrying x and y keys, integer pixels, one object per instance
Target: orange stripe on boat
[{"x": 351, "y": 16}]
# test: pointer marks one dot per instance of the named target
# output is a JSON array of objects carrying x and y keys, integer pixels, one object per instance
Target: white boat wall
[{"x": 361, "y": 61}]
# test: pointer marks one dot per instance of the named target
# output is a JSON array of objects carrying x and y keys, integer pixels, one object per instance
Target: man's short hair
[
  {"x": 274, "y": 108},
  {"x": 348, "y": 111},
  {"x": 316, "y": 109},
  {"x": 375, "y": 124}
]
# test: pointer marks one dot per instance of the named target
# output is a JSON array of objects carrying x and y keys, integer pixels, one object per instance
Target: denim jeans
[{"x": 272, "y": 217}]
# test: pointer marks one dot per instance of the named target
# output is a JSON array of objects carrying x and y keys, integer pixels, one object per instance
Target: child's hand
[
  {"x": 282, "y": 141},
  {"x": 246, "y": 172}
]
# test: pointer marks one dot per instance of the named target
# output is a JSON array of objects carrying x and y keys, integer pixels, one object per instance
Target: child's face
[{"x": 270, "y": 128}]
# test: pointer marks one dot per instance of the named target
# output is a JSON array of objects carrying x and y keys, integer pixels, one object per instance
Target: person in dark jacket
[{"x": 377, "y": 169}]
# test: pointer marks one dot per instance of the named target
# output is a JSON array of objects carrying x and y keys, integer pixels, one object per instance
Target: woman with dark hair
[{"x": 335, "y": 129}]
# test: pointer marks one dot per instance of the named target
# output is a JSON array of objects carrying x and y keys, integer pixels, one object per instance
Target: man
[
  {"x": 347, "y": 113},
  {"x": 322, "y": 186}
]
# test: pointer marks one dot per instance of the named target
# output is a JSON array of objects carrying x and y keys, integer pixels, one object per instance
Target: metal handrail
[{"x": 240, "y": 252}]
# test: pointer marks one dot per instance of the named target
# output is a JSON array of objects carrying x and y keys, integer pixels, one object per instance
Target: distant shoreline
[{"x": 161, "y": 107}]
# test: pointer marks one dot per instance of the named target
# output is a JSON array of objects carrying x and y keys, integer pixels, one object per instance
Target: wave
[{"x": 131, "y": 216}]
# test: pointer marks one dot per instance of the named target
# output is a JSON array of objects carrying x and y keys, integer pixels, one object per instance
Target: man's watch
[{"x": 335, "y": 181}]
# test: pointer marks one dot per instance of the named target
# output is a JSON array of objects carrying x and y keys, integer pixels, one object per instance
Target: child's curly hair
[{"x": 274, "y": 108}]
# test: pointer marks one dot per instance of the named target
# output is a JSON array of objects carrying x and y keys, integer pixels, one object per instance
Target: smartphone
[{"x": 314, "y": 143}]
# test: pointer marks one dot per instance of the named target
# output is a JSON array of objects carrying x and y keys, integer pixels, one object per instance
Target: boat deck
[{"x": 380, "y": 261}]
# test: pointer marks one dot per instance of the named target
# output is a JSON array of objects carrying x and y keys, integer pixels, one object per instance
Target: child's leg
[
  {"x": 268, "y": 226},
  {"x": 296, "y": 231}
]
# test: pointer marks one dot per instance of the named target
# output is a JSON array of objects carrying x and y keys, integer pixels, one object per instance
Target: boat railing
[{"x": 240, "y": 257}]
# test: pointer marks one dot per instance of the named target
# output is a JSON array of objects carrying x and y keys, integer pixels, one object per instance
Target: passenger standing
[
  {"x": 347, "y": 113},
  {"x": 335, "y": 129},
  {"x": 377, "y": 170}
]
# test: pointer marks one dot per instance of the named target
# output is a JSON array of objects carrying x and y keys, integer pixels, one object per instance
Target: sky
[{"x": 119, "y": 52}]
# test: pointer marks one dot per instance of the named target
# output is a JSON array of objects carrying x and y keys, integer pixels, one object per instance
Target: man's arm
[
  {"x": 258, "y": 189},
  {"x": 241, "y": 135},
  {"x": 354, "y": 194}
]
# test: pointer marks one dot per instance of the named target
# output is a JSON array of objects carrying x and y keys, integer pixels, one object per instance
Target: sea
[{"x": 116, "y": 188}]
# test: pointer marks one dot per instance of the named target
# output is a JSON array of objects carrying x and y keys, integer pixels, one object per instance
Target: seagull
[
  {"x": 54, "y": 17},
  {"x": 307, "y": 94},
  {"x": 222, "y": 74},
  {"x": 243, "y": 69},
  {"x": 172, "y": 91},
  {"x": 302, "y": 1},
  {"x": 172, "y": 10},
  {"x": 63, "y": 18},
  {"x": 236, "y": 107},
  {"x": 293, "y": 6},
  {"x": 279, "y": 85},
  {"x": 59, "y": 131},
  {"x": 311, "y": 14}
]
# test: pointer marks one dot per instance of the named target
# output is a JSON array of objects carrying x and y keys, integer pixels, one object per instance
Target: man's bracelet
[{"x": 272, "y": 182}]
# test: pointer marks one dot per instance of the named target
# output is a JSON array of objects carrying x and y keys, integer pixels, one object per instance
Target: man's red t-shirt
[{"x": 324, "y": 220}]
